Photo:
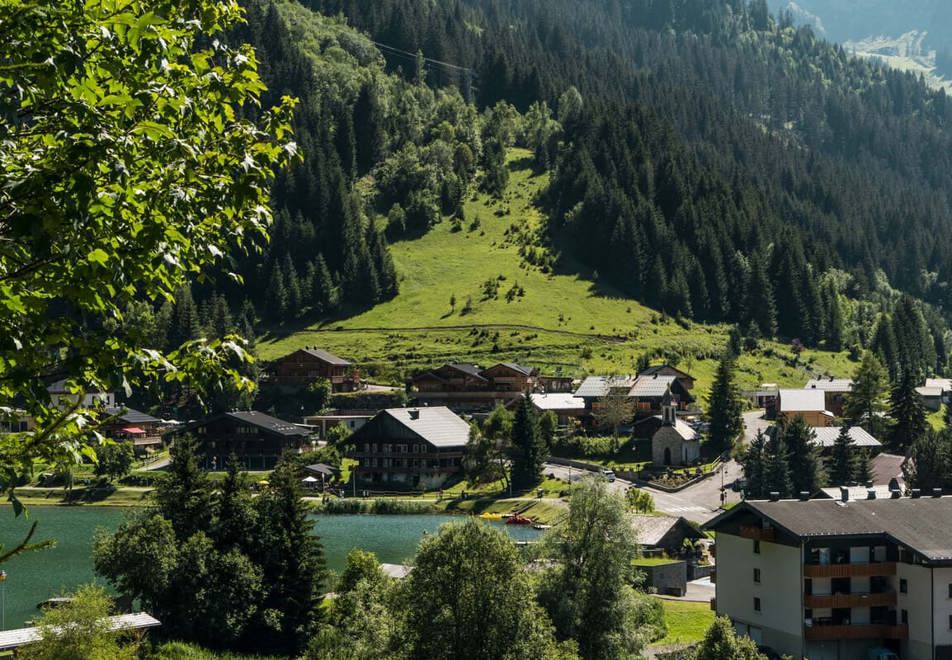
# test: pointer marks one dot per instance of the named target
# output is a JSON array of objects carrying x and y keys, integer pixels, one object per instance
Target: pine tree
[
  {"x": 368, "y": 128},
  {"x": 292, "y": 284},
  {"x": 184, "y": 495},
  {"x": 907, "y": 413},
  {"x": 725, "y": 405},
  {"x": 806, "y": 466},
  {"x": 382, "y": 261},
  {"x": 866, "y": 401},
  {"x": 220, "y": 322},
  {"x": 862, "y": 470},
  {"x": 247, "y": 320},
  {"x": 776, "y": 468},
  {"x": 755, "y": 468},
  {"x": 843, "y": 462},
  {"x": 528, "y": 447},
  {"x": 186, "y": 324},
  {"x": 276, "y": 296},
  {"x": 292, "y": 561},
  {"x": 322, "y": 287},
  {"x": 760, "y": 304},
  {"x": 236, "y": 513}
]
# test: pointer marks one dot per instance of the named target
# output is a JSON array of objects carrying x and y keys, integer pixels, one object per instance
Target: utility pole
[{"x": 3, "y": 600}]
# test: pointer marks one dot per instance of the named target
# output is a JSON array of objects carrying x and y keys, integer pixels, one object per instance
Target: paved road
[{"x": 754, "y": 421}]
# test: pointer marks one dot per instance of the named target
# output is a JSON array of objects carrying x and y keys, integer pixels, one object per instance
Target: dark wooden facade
[
  {"x": 257, "y": 439},
  {"x": 304, "y": 366}
]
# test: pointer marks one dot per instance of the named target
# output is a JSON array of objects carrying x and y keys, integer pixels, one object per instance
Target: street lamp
[{"x": 3, "y": 600}]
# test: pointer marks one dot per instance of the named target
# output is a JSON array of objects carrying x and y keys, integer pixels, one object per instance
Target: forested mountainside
[{"x": 705, "y": 159}]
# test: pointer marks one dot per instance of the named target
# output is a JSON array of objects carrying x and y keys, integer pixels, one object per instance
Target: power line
[{"x": 428, "y": 60}]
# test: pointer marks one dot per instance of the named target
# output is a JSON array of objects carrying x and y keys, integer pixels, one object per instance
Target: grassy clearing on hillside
[{"x": 565, "y": 322}]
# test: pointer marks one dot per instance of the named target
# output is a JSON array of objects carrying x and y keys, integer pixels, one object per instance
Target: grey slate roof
[
  {"x": 557, "y": 401},
  {"x": 439, "y": 425},
  {"x": 267, "y": 422},
  {"x": 830, "y": 384},
  {"x": 328, "y": 357},
  {"x": 651, "y": 529},
  {"x": 131, "y": 416},
  {"x": 792, "y": 400},
  {"x": 681, "y": 428},
  {"x": 651, "y": 386},
  {"x": 517, "y": 367},
  {"x": 826, "y": 436},
  {"x": 924, "y": 524},
  {"x": 887, "y": 466},
  {"x": 465, "y": 367}
]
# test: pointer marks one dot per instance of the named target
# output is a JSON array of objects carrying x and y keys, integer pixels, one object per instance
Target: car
[
  {"x": 609, "y": 474},
  {"x": 739, "y": 485}
]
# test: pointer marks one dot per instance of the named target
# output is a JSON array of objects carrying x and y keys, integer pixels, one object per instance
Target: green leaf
[{"x": 98, "y": 256}]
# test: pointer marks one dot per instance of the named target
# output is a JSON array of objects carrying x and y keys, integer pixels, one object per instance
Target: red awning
[{"x": 133, "y": 430}]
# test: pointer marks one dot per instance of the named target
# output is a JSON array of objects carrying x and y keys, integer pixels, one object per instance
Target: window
[
  {"x": 756, "y": 547},
  {"x": 903, "y": 586},
  {"x": 905, "y": 617},
  {"x": 950, "y": 622},
  {"x": 757, "y": 604},
  {"x": 950, "y": 590},
  {"x": 757, "y": 575}
]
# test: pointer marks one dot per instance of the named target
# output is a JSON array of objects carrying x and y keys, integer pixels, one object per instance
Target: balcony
[
  {"x": 758, "y": 533},
  {"x": 849, "y": 570},
  {"x": 817, "y": 601},
  {"x": 856, "y": 631}
]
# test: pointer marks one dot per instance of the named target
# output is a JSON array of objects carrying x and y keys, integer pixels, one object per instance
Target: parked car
[
  {"x": 609, "y": 474},
  {"x": 739, "y": 485}
]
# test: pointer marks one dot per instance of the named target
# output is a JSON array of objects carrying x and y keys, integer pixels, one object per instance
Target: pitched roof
[
  {"x": 944, "y": 383},
  {"x": 465, "y": 367},
  {"x": 829, "y": 384},
  {"x": 267, "y": 422},
  {"x": 326, "y": 356},
  {"x": 525, "y": 371},
  {"x": 924, "y": 524},
  {"x": 323, "y": 468},
  {"x": 131, "y": 416},
  {"x": 651, "y": 529},
  {"x": 826, "y": 436},
  {"x": 657, "y": 368},
  {"x": 792, "y": 400},
  {"x": 593, "y": 387},
  {"x": 929, "y": 391},
  {"x": 885, "y": 467},
  {"x": 439, "y": 425},
  {"x": 681, "y": 428},
  {"x": 651, "y": 386},
  {"x": 556, "y": 401}
]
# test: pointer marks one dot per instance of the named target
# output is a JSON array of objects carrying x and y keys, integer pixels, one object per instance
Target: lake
[{"x": 34, "y": 577}]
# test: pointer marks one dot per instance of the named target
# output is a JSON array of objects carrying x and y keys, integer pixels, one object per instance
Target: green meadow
[{"x": 558, "y": 318}]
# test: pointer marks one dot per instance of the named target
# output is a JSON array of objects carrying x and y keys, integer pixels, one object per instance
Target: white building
[{"x": 832, "y": 579}]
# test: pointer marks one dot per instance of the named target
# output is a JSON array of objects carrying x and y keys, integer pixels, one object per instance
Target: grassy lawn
[
  {"x": 653, "y": 561},
  {"x": 565, "y": 323},
  {"x": 936, "y": 419},
  {"x": 687, "y": 622}
]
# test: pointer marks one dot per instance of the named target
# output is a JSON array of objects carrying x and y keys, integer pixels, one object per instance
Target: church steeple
[{"x": 669, "y": 408}]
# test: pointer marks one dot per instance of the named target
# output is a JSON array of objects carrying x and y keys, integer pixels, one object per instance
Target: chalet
[
  {"x": 834, "y": 579},
  {"x": 808, "y": 404},
  {"x": 350, "y": 419},
  {"x": 304, "y": 366},
  {"x": 686, "y": 379},
  {"x": 935, "y": 392},
  {"x": 565, "y": 406},
  {"x": 62, "y": 396},
  {"x": 665, "y": 533},
  {"x": 834, "y": 391},
  {"x": 649, "y": 391},
  {"x": 141, "y": 429},
  {"x": 594, "y": 388},
  {"x": 464, "y": 386},
  {"x": 674, "y": 443},
  {"x": 556, "y": 384},
  {"x": 407, "y": 447},
  {"x": 763, "y": 397},
  {"x": 257, "y": 439}
]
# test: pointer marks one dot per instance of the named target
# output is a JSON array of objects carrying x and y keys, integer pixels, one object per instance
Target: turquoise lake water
[{"x": 34, "y": 577}]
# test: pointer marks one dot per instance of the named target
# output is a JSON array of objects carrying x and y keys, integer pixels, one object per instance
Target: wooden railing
[
  {"x": 849, "y": 570},
  {"x": 856, "y": 631},
  {"x": 850, "y": 600}
]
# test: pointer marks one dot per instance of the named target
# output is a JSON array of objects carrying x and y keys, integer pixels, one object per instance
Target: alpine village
[{"x": 475, "y": 329}]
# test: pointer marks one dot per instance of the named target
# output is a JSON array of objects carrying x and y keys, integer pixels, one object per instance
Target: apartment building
[{"x": 832, "y": 579}]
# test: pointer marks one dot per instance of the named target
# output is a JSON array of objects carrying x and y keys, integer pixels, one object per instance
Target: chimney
[
  {"x": 844, "y": 494},
  {"x": 936, "y": 492},
  {"x": 870, "y": 493},
  {"x": 916, "y": 493},
  {"x": 804, "y": 495},
  {"x": 774, "y": 496},
  {"x": 414, "y": 414}
]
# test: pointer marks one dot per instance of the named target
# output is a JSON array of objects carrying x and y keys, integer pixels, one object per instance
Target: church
[{"x": 674, "y": 443}]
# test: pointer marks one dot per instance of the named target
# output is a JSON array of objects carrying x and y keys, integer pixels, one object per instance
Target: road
[{"x": 700, "y": 502}]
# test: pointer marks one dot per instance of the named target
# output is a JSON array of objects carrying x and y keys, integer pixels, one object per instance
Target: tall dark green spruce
[
  {"x": 843, "y": 459},
  {"x": 755, "y": 468},
  {"x": 777, "y": 468},
  {"x": 807, "y": 474},
  {"x": 906, "y": 412},
  {"x": 292, "y": 562},
  {"x": 725, "y": 405},
  {"x": 528, "y": 447}
]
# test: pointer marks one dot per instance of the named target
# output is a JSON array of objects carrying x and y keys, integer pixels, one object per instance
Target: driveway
[{"x": 754, "y": 421}]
